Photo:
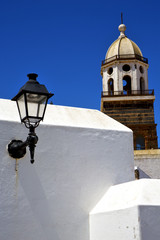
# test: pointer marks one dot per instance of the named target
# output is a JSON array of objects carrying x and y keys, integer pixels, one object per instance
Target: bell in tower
[{"x": 125, "y": 96}]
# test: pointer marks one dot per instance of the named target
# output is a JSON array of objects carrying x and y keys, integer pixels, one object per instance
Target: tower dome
[{"x": 123, "y": 46}]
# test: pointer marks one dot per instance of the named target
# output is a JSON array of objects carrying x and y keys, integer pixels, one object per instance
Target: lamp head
[{"x": 32, "y": 100}]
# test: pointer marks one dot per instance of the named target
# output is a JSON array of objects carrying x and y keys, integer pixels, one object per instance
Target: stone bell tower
[{"x": 125, "y": 96}]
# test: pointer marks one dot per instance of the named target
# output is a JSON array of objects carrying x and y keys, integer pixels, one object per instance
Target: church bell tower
[{"x": 125, "y": 96}]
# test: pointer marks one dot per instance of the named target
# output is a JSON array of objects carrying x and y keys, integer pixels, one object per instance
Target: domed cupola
[
  {"x": 125, "y": 95},
  {"x": 124, "y": 69},
  {"x": 123, "y": 46}
]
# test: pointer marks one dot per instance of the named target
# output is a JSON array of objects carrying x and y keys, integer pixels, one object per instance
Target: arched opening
[
  {"x": 127, "y": 85},
  {"x": 142, "y": 85},
  {"x": 140, "y": 142},
  {"x": 110, "y": 87},
  {"x": 141, "y": 69}
]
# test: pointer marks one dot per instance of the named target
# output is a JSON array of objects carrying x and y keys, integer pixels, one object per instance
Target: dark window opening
[
  {"x": 142, "y": 84},
  {"x": 141, "y": 69},
  {"x": 140, "y": 142},
  {"x": 110, "y": 87},
  {"x": 126, "y": 68},
  {"x": 127, "y": 85},
  {"x": 110, "y": 71}
]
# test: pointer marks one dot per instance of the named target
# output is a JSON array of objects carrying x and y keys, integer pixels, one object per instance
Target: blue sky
[{"x": 64, "y": 42}]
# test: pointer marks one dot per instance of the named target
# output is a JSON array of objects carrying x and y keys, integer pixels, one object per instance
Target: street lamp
[{"x": 31, "y": 101}]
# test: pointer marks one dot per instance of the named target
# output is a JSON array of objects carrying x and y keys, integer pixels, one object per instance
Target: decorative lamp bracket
[{"x": 17, "y": 148}]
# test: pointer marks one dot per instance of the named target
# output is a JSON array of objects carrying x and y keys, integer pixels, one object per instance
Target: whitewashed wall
[
  {"x": 128, "y": 211},
  {"x": 80, "y": 154},
  {"x": 148, "y": 163}
]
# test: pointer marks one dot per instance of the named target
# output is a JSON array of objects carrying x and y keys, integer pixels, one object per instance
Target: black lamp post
[{"x": 31, "y": 101}]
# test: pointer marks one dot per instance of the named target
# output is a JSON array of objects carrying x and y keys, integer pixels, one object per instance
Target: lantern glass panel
[
  {"x": 21, "y": 106},
  {"x": 36, "y": 106},
  {"x": 42, "y": 107}
]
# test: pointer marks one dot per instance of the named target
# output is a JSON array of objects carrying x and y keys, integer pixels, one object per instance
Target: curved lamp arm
[{"x": 17, "y": 148}]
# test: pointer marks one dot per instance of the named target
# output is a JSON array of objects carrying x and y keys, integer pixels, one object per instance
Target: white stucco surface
[
  {"x": 65, "y": 116},
  {"x": 113, "y": 225},
  {"x": 148, "y": 163},
  {"x": 128, "y": 211},
  {"x": 79, "y": 155},
  {"x": 141, "y": 192}
]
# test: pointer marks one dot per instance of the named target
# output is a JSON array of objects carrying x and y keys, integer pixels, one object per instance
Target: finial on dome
[{"x": 122, "y": 27}]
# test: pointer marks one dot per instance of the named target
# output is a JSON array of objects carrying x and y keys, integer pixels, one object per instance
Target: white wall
[
  {"x": 148, "y": 163},
  {"x": 79, "y": 155},
  {"x": 128, "y": 211},
  {"x": 114, "y": 225}
]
